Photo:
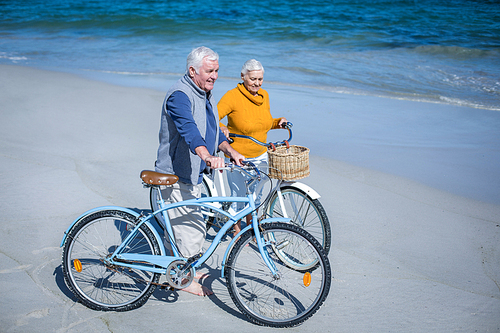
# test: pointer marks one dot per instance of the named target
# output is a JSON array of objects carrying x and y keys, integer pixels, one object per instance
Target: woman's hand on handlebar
[{"x": 283, "y": 122}]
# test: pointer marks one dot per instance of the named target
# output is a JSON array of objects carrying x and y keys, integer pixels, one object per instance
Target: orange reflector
[
  {"x": 307, "y": 279},
  {"x": 78, "y": 265}
]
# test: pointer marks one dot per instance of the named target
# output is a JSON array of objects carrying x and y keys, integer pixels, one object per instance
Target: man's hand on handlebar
[
  {"x": 214, "y": 162},
  {"x": 225, "y": 131},
  {"x": 229, "y": 151},
  {"x": 237, "y": 158}
]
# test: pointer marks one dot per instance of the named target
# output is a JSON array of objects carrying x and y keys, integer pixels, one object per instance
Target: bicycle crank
[{"x": 178, "y": 276}]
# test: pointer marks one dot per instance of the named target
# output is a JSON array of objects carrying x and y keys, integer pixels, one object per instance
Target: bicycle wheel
[
  {"x": 100, "y": 286},
  {"x": 305, "y": 212},
  {"x": 290, "y": 297}
]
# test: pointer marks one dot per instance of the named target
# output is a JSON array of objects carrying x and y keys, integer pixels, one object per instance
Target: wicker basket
[{"x": 293, "y": 162}]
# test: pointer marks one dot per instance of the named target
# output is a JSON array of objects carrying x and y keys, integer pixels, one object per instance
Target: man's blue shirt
[{"x": 179, "y": 109}]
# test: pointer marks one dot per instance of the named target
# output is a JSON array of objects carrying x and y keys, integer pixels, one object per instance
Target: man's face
[{"x": 208, "y": 73}]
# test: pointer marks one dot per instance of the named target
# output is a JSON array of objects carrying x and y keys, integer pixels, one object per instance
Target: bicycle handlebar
[
  {"x": 287, "y": 126},
  {"x": 249, "y": 169},
  {"x": 246, "y": 168}
]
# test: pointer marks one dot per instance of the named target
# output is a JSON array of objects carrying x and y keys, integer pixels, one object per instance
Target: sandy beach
[{"x": 406, "y": 256}]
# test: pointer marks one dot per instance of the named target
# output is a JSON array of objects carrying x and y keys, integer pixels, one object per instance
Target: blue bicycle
[
  {"x": 277, "y": 273},
  {"x": 292, "y": 199}
]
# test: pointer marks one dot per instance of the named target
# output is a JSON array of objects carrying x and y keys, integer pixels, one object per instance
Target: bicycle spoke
[
  {"x": 95, "y": 283},
  {"x": 284, "y": 299},
  {"x": 304, "y": 212}
]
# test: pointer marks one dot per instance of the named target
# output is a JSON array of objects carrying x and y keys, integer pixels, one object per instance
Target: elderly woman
[{"x": 248, "y": 112}]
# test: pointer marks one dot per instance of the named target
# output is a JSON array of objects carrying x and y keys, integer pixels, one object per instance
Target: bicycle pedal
[{"x": 194, "y": 258}]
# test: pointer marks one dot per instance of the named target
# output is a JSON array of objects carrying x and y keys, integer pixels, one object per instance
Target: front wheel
[
  {"x": 289, "y": 297},
  {"x": 96, "y": 284},
  {"x": 304, "y": 212}
]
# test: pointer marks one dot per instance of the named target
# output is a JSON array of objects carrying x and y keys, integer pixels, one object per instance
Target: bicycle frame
[
  {"x": 277, "y": 273},
  {"x": 217, "y": 188},
  {"x": 142, "y": 261}
]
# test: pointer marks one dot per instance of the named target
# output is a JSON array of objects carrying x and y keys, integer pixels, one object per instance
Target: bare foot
[{"x": 197, "y": 289}]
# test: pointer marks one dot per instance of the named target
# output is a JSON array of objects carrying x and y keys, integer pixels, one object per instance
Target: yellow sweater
[{"x": 247, "y": 115}]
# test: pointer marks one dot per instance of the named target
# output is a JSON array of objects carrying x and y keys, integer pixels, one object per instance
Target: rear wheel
[
  {"x": 105, "y": 287},
  {"x": 304, "y": 212},
  {"x": 289, "y": 297}
]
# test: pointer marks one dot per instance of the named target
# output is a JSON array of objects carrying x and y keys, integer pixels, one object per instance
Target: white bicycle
[{"x": 294, "y": 200}]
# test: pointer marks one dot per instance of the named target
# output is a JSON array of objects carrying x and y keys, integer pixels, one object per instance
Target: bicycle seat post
[{"x": 161, "y": 203}]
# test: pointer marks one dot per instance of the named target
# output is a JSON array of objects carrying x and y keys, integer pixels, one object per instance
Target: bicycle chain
[{"x": 164, "y": 285}]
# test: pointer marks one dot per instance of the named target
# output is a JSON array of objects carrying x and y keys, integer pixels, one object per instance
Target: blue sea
[
  {"x": 445, "y": 52},
  {"x": 438, "y": 51}
]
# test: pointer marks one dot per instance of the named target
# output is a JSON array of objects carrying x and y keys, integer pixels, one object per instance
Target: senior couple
[{"x": 190, "y": 135}]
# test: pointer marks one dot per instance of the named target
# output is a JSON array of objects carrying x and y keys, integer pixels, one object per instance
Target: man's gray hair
[
  {"x": 252, "y": 65},
  {"x": 195, "y": 58}
]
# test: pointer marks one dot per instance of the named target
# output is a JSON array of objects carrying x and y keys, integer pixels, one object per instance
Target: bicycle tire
[
  {"x": 284, "y": 300},
  {"x": 307, "y": 213},
  {"x": 97, "y": 285}
]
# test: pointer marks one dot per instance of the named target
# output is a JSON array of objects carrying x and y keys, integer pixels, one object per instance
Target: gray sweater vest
[{"x": 174, "y": 155}]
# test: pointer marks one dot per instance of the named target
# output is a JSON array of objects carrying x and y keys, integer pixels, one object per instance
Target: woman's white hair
[
  {"x": 252, "y": 65},
  {"x": 195, "y": 58}
]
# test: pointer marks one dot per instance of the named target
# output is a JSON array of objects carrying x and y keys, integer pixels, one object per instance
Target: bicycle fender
[
  {"x": 248, "y": 227},
  {"x": 123, "y": 209},
  {"x": 304, "y": 188}
]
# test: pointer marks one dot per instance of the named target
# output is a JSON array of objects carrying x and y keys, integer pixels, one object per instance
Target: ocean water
[
  {"x": 445, "y": 52},
  {"x": 438, "y": 51}
]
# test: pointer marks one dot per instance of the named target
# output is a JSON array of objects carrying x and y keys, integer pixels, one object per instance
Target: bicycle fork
[
  {"x": 261, "y": 243},
  {"x": 282, "y": 203}
]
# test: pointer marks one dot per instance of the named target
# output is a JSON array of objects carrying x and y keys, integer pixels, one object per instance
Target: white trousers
[
  {"x": 237, "y": 181},
  {"x": 187, "y": 222}
]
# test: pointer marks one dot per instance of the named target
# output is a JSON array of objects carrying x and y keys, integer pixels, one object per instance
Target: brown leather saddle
[{"x": 157, "y": 178}]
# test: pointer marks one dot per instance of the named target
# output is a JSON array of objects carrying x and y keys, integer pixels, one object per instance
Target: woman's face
[{"x": 252, "y": 81}]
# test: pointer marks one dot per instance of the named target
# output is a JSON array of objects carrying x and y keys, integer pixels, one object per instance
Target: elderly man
[{"x": 189, "y": 138}]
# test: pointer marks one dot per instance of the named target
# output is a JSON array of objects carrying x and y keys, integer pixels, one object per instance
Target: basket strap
[
  {"x": 272, "y": 147},
  {"x": 287, "y": 144}
]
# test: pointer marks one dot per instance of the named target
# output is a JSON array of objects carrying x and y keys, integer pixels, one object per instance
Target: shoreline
[
  {"x": 400, "y": 137},
  {"x": 154, "y": 80}
]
